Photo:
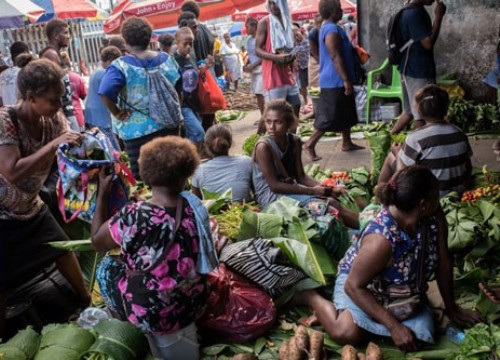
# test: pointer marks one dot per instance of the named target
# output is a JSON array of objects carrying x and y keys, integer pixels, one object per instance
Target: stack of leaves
[
  {"x": 249, "y": 144},
  {"x": 481, "y": 342},
  {"x": 379, "y": 140},
  {"x": 64, "y": 341},
  {"x": 117, "y": 340},
  {"x": 23, "y": 346},
  {"x": 229, "y": 115}
]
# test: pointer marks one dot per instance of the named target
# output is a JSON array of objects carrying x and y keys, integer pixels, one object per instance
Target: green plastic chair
[{"x": 392, "y": 91}]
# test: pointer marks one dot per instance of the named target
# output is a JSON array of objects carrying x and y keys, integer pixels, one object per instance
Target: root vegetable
[
  {"x": 302, "y": 338},
  {"x": 349, "y": 353},
  {"x": 283, "y": 352},
  {"x": 373, "y": 352},
  {"x": 294, "y": 352},
  {"x": 316, "y": 345}
]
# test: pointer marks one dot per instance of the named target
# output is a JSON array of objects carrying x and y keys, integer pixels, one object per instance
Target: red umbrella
[
  {"x": 301, "y": 10},
  {"x": 164, "y": 13},
  {"x": 66, "y": 9}
]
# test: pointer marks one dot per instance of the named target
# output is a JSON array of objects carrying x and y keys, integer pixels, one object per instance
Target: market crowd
[{"x": 147, "y": 104}]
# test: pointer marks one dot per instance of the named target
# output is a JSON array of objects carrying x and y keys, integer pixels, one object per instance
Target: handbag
[
  {"x": 402, "y": 302},
  {"x": 79, "y": 168},
  {"x": 209, "y": 93}
]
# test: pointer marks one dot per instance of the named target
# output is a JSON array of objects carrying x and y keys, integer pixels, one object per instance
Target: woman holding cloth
[{"x": 336, "y": 110}]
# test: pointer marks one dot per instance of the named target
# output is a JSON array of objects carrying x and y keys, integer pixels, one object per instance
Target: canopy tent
[
  {"x": 66, "y": 9},
  {"x": 16, "y": 13},
  {"x": 301, "y": 10},
  {"x": 164, "y": 13}
]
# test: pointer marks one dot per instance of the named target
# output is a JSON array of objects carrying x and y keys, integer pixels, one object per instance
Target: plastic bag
[
  {"x": 210, "y": 94},
  {"x": 237, "y": 311},
  {"x": 361, "y": 96}
]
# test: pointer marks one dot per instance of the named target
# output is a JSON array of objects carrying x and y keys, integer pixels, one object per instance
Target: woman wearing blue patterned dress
[
  {"x": 126, "y": 90},
  {"x": 390, "y": 255}
]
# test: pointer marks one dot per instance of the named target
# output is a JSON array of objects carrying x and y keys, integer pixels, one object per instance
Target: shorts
[
  {"x": 288, "y": 92},
  {"x": 422, "y": 324},
  {"x": 303, "y": 78},
  {"x": 257, "y": 83},
  {"x": 192, "y": 125},
  {"x": 410, "y": 87}
]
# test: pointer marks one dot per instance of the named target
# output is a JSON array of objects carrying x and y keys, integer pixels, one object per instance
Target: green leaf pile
[
  {"x": 64, "y": 341},
  {"x": 23, "y": 346}
]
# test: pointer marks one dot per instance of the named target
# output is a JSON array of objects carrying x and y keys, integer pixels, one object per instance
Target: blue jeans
[{"x": 192, "y": 125}]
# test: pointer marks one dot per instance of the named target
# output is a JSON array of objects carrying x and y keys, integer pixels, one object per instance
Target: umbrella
[
  {"x": 301, "y": 10},
  {"x": 66, "y": 9},
  {"x": 15, "y": 13},
  {"x": 164, "y": 13}
]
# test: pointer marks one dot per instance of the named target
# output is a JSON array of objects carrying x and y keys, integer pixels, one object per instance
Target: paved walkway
[{"x": 338, "y": 160}]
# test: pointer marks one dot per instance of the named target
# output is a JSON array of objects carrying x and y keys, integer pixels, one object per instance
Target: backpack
[
  {"x": 79, "y": 168},
  {"x": 394, "y": 42}
]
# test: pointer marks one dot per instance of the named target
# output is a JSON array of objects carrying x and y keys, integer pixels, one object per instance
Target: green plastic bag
[{"x": 379, "y": 141}]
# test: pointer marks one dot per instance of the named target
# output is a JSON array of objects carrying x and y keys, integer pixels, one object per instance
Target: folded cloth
[{"x": 280, "y": 31}]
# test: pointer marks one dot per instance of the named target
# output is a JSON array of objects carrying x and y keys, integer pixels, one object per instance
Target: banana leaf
[
  {"x": 23, "y": 346},
  {"x": 214, "y": 202},
  {"x": 260, "y": 224},
  {"x": 118, "y": 340},
  {"x": 286, "y": 207},
  {"x": 64, "y": 341},
  {"x": 73, "y": 245}
]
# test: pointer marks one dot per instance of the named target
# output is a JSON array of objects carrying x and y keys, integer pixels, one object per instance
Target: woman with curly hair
[
  {"x": 133, "y": 93},
  {"x": 158, "y": 282},
  {"x": 30, "y": 133}
]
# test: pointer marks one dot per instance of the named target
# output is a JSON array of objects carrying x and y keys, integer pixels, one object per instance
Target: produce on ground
[
  {"x": 249, "y": 144},
  {"x": 229, "y": 115},
  {"x": 239, "y": 100}
]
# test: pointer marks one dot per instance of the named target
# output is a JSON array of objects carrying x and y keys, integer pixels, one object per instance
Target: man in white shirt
[{"x": 8, "y": 78}]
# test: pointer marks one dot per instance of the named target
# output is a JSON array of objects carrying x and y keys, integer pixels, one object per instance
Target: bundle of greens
[
  {"x": 379, "y": 140},
  {"x": 23, "y": 346},
  {"x": 116, "y": 340},
  {"x": 481, "y": 342},
  {"x": 64, "y": 341},
  {"x": 249, "y": 144}
]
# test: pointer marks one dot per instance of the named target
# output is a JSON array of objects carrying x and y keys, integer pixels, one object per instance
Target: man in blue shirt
[{"x": 417, "y": 66}]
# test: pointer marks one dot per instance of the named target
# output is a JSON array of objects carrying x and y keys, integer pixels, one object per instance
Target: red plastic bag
[
  {"x": 236, "y": 311},
  {"x": 210, "y": 94}
]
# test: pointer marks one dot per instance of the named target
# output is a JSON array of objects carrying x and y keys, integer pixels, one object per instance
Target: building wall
[{"x": 466, "y": 46}]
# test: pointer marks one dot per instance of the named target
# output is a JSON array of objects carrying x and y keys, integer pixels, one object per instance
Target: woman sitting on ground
[
  {"x": 399, "y": 251},
  {"x": 438, "y": 145},
  {"x": 30, "y": 133},
  {"x": 278, "y": 169},
  {"x": 223, "y": 172},
  {"x": 158, "y": 283},
  {"x": 130, "y": 86}
]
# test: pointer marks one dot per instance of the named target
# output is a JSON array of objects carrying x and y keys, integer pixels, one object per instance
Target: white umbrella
[{"x": 15, "y": 13}]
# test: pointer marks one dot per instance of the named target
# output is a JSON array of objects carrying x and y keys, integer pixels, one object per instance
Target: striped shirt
[{"x": 444, "y": 149}]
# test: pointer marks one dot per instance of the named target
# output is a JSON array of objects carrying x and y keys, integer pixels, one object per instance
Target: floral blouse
[
  {"x": 405, "y": 252},
  {"x": 168, "y": 296}
]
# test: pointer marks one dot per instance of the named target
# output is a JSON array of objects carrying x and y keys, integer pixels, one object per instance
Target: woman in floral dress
[{"x": 158, "y": 282}]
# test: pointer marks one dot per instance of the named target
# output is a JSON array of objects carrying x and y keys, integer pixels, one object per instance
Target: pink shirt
[
  {"x": 78, "y": 91},
  {"x": 274, "y": 75}
]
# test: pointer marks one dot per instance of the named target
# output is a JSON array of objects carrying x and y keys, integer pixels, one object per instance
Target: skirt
[
  {"x": 23, "y": 248},
  {"x": 422, "y": 324},
  {"x": 133, "y": 147},
  {"x": 335, "y": 111}
]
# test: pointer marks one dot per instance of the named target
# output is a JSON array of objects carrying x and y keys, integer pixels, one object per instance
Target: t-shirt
[
  {"x": 203, "y": 42},
  {"x": 8, "y": 86},
  {"x": 415, "y": 23},
  {"x": 252, "y": 55},
  {"x": 189, "y": 79},
  {"x": 96, "y": 114},
  {"x": 444, "y": 149},
  {"x": 78, "y": 92},
  {"x": 303, "y": 54},
  {"x": 226, "y": 172},
  {"x": 329, "y": 78},
  {"x": 21, "y": 201}
]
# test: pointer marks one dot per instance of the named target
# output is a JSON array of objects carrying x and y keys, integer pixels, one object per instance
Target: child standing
[{"x": 190, "y": 102}]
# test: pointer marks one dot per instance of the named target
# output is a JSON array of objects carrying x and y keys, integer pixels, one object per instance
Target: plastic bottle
[{"x": 454, "y": 334}]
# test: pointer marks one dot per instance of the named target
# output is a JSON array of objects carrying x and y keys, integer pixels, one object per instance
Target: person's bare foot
[
  {"x": 311, "y": 152},
  {"x": 492, "y": 293},
  {"x": 352, "y": 147},
  {"x": 309, "y": 321}
]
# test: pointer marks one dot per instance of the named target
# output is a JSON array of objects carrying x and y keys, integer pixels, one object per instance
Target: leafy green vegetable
[
  {"x": 481, "y": 342},
  {"x": 23, "y": 345},
  {"x": 73, "y": 245},
  {"x": 249, "y": 144},
  {"x": 214, "y": 202},
  {"x": 260, "y": 224},
  {"x": 118, "y": 340},
  {"x": 64, "y": 341},
  {"x": 379, "y": 140}
]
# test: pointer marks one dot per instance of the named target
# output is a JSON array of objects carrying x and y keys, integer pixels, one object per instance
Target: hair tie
[
  {"x": 393, "y": 185},
  {"x": 430, "y": 97}
]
